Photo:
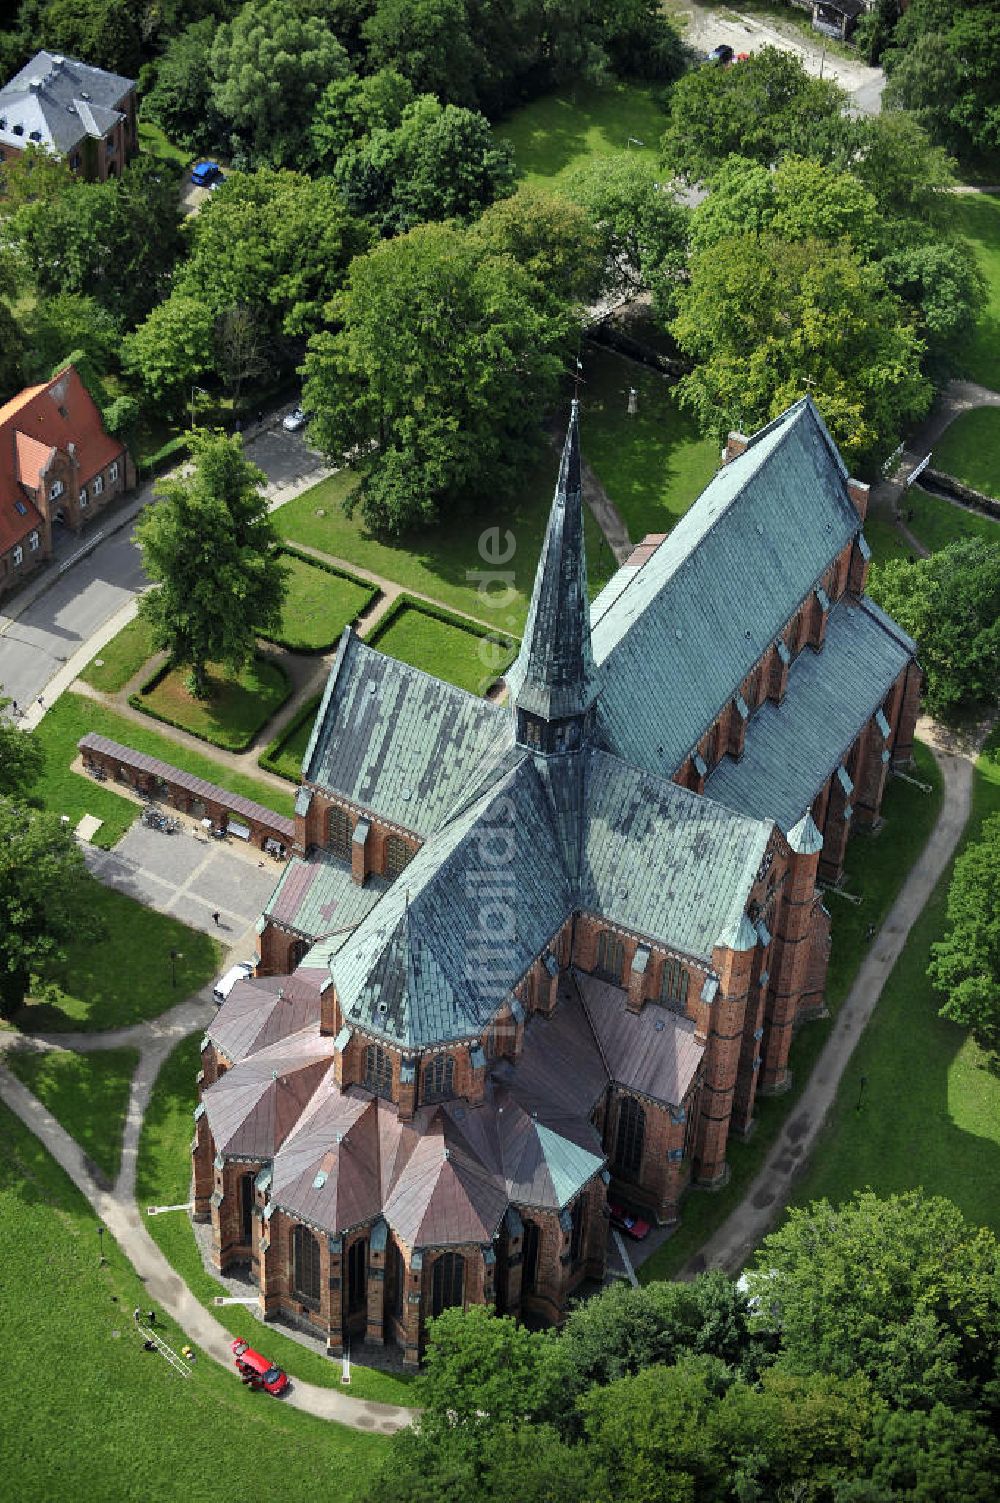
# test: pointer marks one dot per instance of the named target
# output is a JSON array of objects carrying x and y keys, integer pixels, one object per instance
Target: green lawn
[
  {"x": 970, "y": 449},
  {"x": 978, "y": 217},
  {"x": 121, "y": 658},
  {"x": 875, "y": 869},
  {"x": 318, "y": 605},
  {"x": 164, "y": 1178},
  {"x": 96, "y": 1416},
  {"x": 883, "y": 539},
  {"x": 126, "y": 976},
  {"x": 445, "y": 648},
  {"x": 86, "y": 1093},
  {"x": 72, "y": 793},
  {"x": 452, "y": 564},
  {"x": 287, "y": 751},
  {"x": 155, "y": 143},
  {"x": 235, "y": 710},
  {"x": 652, "y": 465},
  {"x": 557, "y": 133},
  {"x": 930, "y": 1113}
]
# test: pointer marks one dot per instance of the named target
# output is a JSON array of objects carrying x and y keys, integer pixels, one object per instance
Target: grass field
[
  {"x": 72, "y": 793},
  {"x": 445, "y": 648},
  {"x": 86, "y": 1093},
  {"x": 970, "y": 449},
  {"x": 126, "y": 977},
  {"x": 883, "y": 539},
  {"x": 318, "y": 605},
  {"x": 235, "y": 710},
  {"x": 287, "y": 751},
  {"x": 553, "y": 135},
  {"x": 449, "y": 564},
  {"x": 121, "y": 658},
  {"x": 164, "y": 1177},
  {"x": 930, "y": 1113},
  {"x": 96, "y": 1416},
  {"x": 652, "y": 465},
  {"x": 875, "y": 870},
  {"x": 978, "y": 217},
  {"x": 155, "y": 143}
]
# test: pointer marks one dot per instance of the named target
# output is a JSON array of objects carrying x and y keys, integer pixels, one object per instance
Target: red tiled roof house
[{"x": 57, "y": 465}]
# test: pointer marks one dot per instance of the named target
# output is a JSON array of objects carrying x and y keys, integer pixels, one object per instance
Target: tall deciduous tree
[
  {"x": 211, "y": 548},
  {"x": 950, "y": 603},
  {"x": 902, "y": 1291},
  {"x": 944, "y": 65},
  {"x": 429, "y": 42},
  {"x": 172, "y": 349},
  {"x": 551, "y": 238},
  {"x": 965, "y": 965},
  {"x": 43, "y": 898},
  {"x": 270, "y": 64},
  {"x": 642, "y": 227},
  {"x": 765, "y": 319},
  {"x": 181, "y": 101},
  {"x": 437, "y": 376},
  {"x": 351, "y": 108},
  {"x": 21, "y": 756}
]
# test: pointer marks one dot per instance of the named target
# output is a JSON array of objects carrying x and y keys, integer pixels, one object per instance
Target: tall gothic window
[
  {"x": 305, "y": 1264},
  {"x": 357, "y": 1274},
  {"x": 339, "y": 831},
  {"x": 529, "y": 1257},
  {"x": 439, "y": 1077},
  {"x": 610, "y": 955},
  {"x": 674, "y": 984},
  {"x": 378, "y": 1070},
  {"x": 397, "y": 1280},
  {"x": 297, "y": 952},
  {"x": 579, "y": 1220},
  {"x": 246, "y": 1208},
  {"x": 397, "y": 855},
  {"x": 448, "y": 1282},
  {"x": 630, "y": 1138}
]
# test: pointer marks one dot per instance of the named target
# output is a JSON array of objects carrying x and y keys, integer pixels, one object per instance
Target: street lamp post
[
  {"x": 861, "y": 1092},
  {"x": 175, "y": 956},
  {"x": 100, "y": 1244}
]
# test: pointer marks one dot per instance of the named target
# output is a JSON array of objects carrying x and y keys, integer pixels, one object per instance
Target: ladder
[{"x": 164, "y": 1350}]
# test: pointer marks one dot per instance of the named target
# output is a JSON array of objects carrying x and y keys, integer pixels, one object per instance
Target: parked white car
[
  {"x": 293, "y": 421},
  {"x": 239, "y": 972}
]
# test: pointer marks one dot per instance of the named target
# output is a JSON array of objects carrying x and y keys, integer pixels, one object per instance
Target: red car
[
  {"x": 256, "y": 1370},
  {"x": 633, "y": 1226}
]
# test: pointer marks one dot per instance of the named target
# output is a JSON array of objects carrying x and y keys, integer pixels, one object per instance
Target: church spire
[{"x": 553, "y": 682}]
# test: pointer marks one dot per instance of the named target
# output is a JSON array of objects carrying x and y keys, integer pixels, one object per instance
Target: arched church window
[
  {"x": 674, "y": 984},
  {"x": 357, "y": 1274},
  {"x": 378, "y": 1071},
  {"x": 338, "y": 832},
  {"x": 397, "y": 855},
  {"x": 630, "y": 1138},
  {"x": 305, "y": 1264},
  {"x": 439, "y": 1077},
  {"x": 447, "y": 1282},
  {"x": 610, "y": 956}
]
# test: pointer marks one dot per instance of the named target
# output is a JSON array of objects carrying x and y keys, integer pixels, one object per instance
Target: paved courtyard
[{"x": 190, "y": 876}]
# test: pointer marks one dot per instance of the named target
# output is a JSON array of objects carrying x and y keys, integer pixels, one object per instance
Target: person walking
[{"x": 215, "y": 919}]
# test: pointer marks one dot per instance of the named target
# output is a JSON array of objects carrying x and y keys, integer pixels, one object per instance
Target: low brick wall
[{"x": 151, "y": 778}]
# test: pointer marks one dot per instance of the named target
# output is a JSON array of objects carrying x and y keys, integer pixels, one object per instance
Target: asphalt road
[{"x": 35, "y": 644}]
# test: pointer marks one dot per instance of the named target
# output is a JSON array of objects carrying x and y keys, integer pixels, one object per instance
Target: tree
[
  {"x": 944, "y": 65},
  {"x": 798, "y": 199},
  {"x": 269, "y": 65},
  {"x": 643, "y": 228},
  {"x": 68, "y": 321},
  {"x": 351, "y": 108},
  {"x": 482, "y": 1370},
  {"x": 429, "y": 42},
  {"x": 240, "y": 349},
  {"x": 934, "y": 1456},
  {"x": 275, "y": 242},
  {"x": 761, "y": 317},
  {"x": 21, "y": 757},
  {"x": 441, "y": 162},
  {"x": 941, "y": 281},
  {"x": 640, "y": 41},
  {"x": 950, "y": 603},
  {"x": 104, "y": 33},
  {"x": 911, "y": 178},
  {"x": 965, "y": 965},
  {"x": 550, "y": 238},
  {"x": 765, "y": 109},
  {"x": 211, "y": 547},
  {"x": 180, "y": 101},
  {"x": 902, "y": 1291},
  {"x": 172, "y": 349},
  {"x": 43, "y": 897},
  {"x": 437, "y": 375}
]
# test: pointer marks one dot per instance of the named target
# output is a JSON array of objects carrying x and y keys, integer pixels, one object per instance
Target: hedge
[{"x": 270, "y": 757}]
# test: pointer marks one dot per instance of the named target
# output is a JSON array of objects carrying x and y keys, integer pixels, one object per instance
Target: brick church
[{"x": 535, "y": 953}]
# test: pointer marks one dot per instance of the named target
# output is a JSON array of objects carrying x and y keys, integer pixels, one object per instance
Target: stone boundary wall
[{"x": 942, "y": 481}]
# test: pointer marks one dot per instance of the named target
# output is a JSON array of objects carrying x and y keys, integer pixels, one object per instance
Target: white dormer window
[
  {"x": 83, "y": 495},
  {"x": 113, "y": 472},
  {"x": 56, "y": 490},
  {"x": 18, "y": 555},
  {"x": 33, "y": 541},
  {"x": 98, "y": 484}
]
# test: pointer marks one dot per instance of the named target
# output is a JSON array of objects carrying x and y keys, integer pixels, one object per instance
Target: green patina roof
[
  {"x": 398, "y": 741},
  {"x": 792, "y": 748},
  {"x": 681, "y": 633},
  {"x": 569, "y": 1165},
  {"x": 319, "y": 896}
]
